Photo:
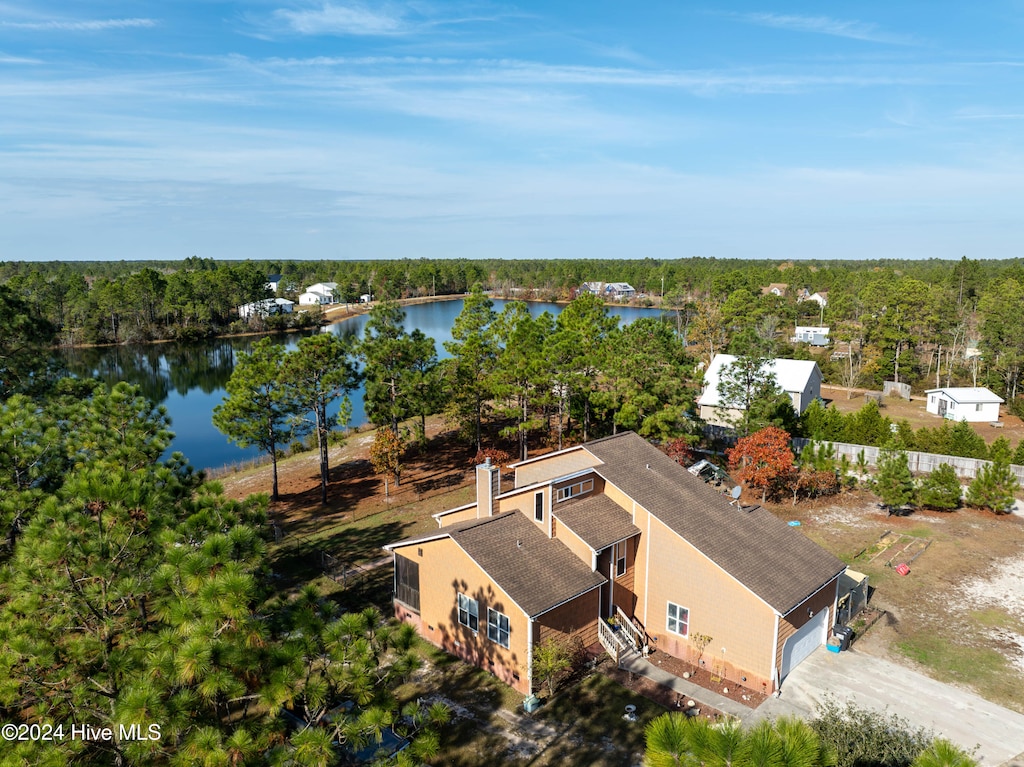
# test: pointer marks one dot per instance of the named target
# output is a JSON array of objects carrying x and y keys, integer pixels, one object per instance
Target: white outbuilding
[{"x": 969, "y": 403}]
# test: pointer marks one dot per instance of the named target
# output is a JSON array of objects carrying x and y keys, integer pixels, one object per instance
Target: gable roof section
[
  {"x": 772, "y": 560},
  {"x": 597, "y": 520},
  {"x": 791, "y": 375},
  {"x": 968, "y": 394},
  {"x": 537, "y": 572}
]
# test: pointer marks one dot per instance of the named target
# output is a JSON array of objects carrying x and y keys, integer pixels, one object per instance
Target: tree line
[
  {"x": 525, "y": 382},
  {"x": 926, "y": 323}
]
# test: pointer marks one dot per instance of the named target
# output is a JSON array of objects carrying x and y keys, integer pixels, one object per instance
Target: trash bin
[{"x": 844, "y": 634}]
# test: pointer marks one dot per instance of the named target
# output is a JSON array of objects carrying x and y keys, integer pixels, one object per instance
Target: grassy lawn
[{"x": 947, "y": 659}]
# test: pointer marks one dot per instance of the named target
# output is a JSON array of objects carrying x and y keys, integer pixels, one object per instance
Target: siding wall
[
  {"x": 576, "y": 619},
  {"x": 439, "y": 622},
  {"x": 719, "y": 606}
]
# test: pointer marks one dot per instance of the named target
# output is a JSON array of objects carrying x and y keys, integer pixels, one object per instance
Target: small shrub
[
  {"x": 861, "y": 737},
  {"x": 498, "y": 457}
]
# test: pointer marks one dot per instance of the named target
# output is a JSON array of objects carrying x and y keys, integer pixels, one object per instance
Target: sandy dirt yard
[{"x": 959, "y": 614}]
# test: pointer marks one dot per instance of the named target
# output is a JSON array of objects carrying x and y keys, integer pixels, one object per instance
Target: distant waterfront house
[
  {"x": 821, "y": 299},
  {"x": 320, "y": 293},
  {"x": 811, "y": 334},
  {"x": 615, "y": 529},
  {"x": 775, "y": 289},
  {"x": 616, "y": 291},
  {"x": 266, "y": 308},
  {"x": 972, "y": 403},
  {"x": 800, "y": 379},
  {"x": 273, "y": 281}
]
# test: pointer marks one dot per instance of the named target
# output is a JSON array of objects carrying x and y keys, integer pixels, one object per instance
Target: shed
[{"x": 971, "y": 403}]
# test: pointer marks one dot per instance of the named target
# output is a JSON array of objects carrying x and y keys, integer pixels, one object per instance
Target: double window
[
  {"x": 497, "y": 627},
  {"x": 469, "y": 613},
  {"x": 678, "y": 620},
  {"x": 571, "y": 491}
]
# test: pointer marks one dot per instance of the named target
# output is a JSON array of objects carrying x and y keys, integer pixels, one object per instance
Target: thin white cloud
[
  {"x": 824, "y": 25},
  {"x": 355, "y": 71},
  {"x": 97, "y": 25},
  {"x": 334, "y": 19},
  {"x": 7, "y": 59}
]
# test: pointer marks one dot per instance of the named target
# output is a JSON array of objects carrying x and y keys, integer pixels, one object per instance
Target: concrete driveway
[{"x": 877, "y": 684}]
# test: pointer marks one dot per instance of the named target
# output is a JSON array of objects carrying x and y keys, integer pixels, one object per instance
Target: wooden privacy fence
[{"x": 920, "y": 463}]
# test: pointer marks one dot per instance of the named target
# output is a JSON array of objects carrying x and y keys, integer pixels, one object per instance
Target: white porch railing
[
  {"x": 613, "y": 644},
  {"x": 634, "y": 635}
]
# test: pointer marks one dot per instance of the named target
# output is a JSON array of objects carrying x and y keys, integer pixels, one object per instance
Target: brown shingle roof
[
  {"x": 597, "y": 519},
  {"x": 774, "y": 561},
  {"x": 537, "y": 572}
]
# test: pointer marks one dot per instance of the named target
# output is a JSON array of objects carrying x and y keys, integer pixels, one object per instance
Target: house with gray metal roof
[{"x": 613, "y": 544}]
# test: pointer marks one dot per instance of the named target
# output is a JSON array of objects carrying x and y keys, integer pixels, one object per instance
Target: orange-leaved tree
[{"x": 763, "y": 461}]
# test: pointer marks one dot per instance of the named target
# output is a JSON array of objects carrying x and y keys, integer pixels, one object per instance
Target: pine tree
[
  {"x": 473, "y": 351},
  {"x": 319, "y": 372},
  {"x": 995, "y": 485},
  {"x": 941, "y": 489},
  {"x": 893, "y": 483},
  {"x": 521, "y": 379},
  {"x": 258, "y": 410}
]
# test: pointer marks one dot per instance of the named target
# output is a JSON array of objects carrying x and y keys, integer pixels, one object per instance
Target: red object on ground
[{"x": 902, "y": 568}]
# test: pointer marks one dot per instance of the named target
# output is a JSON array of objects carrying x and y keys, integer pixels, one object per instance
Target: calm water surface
[{"x": 189, "y": 379}]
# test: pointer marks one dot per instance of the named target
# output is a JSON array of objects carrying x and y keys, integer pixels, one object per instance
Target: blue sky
[{"x": 463, "y": 129}]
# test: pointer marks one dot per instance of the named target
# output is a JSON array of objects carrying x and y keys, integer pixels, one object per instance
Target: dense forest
[{"x": 925, "y": 323}]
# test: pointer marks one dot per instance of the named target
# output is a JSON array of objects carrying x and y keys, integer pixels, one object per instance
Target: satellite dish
[{"x": 735, "y": 492}]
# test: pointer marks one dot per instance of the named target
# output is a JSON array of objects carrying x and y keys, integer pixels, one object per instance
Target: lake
[{"x": 189, "y": 379}]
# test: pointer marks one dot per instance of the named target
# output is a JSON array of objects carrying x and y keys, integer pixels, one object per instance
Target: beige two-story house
[{"x": 616, "y": 529}]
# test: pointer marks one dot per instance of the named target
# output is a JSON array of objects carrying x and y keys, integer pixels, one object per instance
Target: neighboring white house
[
  {"x": 320, "y": 293},
  {"x": 810, "y": 334},
  {"x": 273, "y": 281},
  {"x": 969, "y": 403},
  {"x": 800, "y": 379},
  {"x": 265, "y": 308},
  {"x": 621, "y": 291}
]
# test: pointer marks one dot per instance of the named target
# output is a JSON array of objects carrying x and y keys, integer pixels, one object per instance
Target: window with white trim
[
  {"x": 469, "y": 613},
  {"x": 571, "y": 491},
  {"x": 497, "y": 627},
  {"x": 620, "y": 559},
  {"x": 678, "y": 620},
  {"x": 538, "y": 507},
  {"x": 978, "y": 407}
]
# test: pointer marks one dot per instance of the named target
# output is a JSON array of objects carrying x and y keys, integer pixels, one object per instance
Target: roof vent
[{"x": 519, "y": 544}]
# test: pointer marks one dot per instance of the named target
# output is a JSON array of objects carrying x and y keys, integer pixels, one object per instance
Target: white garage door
[{"x": 804, "y": 642}]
